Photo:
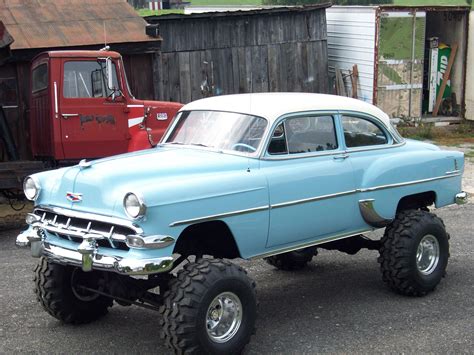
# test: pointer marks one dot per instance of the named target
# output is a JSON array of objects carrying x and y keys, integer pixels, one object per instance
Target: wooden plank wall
[{"x": 240, "y": 54}]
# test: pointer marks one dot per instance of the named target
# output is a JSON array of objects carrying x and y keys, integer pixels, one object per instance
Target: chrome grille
[{"x": 74, "y": 228}]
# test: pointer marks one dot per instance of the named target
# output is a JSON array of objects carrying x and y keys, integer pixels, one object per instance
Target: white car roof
[{"x": 273, "y": 105}]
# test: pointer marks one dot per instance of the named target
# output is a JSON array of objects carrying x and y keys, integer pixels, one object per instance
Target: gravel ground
[{"x": 337, "y": 305}]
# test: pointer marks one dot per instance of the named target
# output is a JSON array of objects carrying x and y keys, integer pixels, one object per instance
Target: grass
[
  {"x": 453, "y": 135},
  {"x": 224, "y": 2},
  {"x": 469, "y": 154},
  {"x": 430, "y": 2},
  {"x": 148, "y": 12}
]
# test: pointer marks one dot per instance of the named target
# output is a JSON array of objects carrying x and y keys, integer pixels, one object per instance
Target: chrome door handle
[
  {"x": 341, "y": 156},
  {"x": 67, "y": 115}
]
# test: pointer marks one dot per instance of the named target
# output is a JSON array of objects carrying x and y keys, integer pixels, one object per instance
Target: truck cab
[{"x": 81, "y": 107}]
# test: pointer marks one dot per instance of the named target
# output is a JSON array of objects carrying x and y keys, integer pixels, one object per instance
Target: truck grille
[{"x": 75, "y": 228}]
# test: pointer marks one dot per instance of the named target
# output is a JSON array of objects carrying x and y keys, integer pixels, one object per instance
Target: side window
[
  {"x": 310, "y": 134},
  {"x": 304, "y": 134},
  {"x": 87, "y": 79},
  {"x": 39, "y": 78},
  {"x": 278, "y": 141},
  {"x": 359, "y": 132}
]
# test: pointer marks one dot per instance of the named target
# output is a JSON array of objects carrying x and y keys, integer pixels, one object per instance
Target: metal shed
[
  {"x": 39, "y": 25},
  {"x": 393, "y": 49},
  {"x": 279, "y": 49}
]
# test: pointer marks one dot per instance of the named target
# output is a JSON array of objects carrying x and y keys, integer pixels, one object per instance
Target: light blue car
[{"x": 272, "y": 176}]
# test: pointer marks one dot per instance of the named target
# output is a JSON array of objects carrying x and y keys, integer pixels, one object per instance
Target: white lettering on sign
[{"x": 161, "y": 116}]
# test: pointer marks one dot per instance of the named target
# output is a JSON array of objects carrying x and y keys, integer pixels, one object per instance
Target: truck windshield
[{"x": 219, "y": 130}]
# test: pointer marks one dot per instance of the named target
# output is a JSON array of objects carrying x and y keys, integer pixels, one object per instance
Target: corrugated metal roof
[
  {"x": 232, "y": 12},
  {"x": 64, "y": 23}
]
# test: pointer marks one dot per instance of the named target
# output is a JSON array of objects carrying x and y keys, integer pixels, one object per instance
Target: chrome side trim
[
  {"x": 370, "y": 216},
  {"x": 92, "y": 217},
  {"x": 309, "y": 244},
  {"x": 312, "y": 199},
  {"x": 306, "y": 200},
  {"x": 220, "y": 215},
  {"x": 457, "y": 171},
  {"x": 389, "y": 186}
]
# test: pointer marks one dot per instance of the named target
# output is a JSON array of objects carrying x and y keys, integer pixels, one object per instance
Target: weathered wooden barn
[
  {"x": 39, "y": 25},
  {"x": 280, "y": 49}
]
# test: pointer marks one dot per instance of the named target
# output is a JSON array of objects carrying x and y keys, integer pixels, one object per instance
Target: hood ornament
[{"x": 73, "y": 197}]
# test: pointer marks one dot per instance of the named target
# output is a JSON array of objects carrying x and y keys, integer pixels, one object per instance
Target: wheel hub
[
  {"x": 224, "y": 317},
  {"x": 427, "y": 254}
]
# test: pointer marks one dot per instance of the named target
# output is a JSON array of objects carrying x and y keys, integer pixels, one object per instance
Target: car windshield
[{"x": 219, "y": 130}]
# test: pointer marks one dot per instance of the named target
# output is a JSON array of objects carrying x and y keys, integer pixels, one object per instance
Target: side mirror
[{"x": 110, "y": 82}]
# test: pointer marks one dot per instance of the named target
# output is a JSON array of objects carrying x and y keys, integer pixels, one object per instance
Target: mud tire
[
  {"x": 52, "y": 286},
  {"x": 398, "y": 251},
  {"x": 187, "y": 301}
]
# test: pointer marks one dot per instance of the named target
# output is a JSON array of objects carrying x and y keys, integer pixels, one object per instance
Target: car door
[
  {"x": 92, "y": 124},
  {"x": 310, "y": 181}
]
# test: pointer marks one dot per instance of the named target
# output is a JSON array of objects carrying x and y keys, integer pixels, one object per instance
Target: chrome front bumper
[
  {"x": 86, "y": 254},
  {"x": 90, "y": 259}
]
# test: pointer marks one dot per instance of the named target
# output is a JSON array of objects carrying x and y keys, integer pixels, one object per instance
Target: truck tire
[
  {"x": 54, "y": 289},
  {"x": 293, "y": 260},
  {"x": 414, "y": 253},
  {"x": 210, "y": 308}
]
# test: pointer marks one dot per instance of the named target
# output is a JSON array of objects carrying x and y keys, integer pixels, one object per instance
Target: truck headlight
[
  {"x": 134, "y": 205},
  {"x": 31, "y": 188}
]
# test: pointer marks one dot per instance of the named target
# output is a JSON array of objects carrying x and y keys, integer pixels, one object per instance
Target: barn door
[{"x": 400, "y": 63}]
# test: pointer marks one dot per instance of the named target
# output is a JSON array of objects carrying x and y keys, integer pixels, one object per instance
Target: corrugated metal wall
[
  {"x": 351, "y": 40},
  {"x": 204, "y": 55},
  {"x": 470, "y": 71}
]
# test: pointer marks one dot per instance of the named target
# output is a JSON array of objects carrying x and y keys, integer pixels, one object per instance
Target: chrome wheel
[
  {"x": 427, "y": 254},
  {"x": 223, "y": 317}
]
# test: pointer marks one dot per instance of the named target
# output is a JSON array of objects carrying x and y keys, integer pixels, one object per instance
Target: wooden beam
[{"x": 446, "y": 75}]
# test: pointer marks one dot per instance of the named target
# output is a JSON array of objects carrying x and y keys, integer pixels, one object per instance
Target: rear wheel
[
  {"x": 414, "y": 253},
  {"x": 293, "y": 260},
  {"x": 58, "y": 289},
  {"x": 209, "y": 309}
]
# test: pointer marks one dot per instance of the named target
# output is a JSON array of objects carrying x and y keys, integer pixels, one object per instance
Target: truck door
[{"x": 93, "y": 124}]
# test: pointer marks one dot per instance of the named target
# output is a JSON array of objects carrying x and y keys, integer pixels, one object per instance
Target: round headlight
[
  {"x": 134, "y": 205},
  {"x": 31, "y": 188}
]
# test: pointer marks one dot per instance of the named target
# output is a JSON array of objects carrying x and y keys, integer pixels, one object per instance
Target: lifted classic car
[{"x": 272, "y": 176}]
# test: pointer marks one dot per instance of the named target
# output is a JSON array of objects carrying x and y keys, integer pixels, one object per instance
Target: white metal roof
[{"x": 273, "y": 105}]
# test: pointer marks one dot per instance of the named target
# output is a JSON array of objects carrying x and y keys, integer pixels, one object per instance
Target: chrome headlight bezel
[
  {"x": 139, "y": 205},
  {"x": 30, "y": 182}
]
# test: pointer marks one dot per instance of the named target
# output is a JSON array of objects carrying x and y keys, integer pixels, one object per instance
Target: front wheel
[
  {"x": 210, "y": 308},
  {"x": 58, "y": 289},
  {"x": 414, "y": 253}
]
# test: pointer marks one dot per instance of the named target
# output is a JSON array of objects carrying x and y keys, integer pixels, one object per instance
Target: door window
[
  {"x": 40, "y": 78},
  {"x": 359, "y": 132},
  {"x": 87, "y": 79},
  {"x": 304, "y": 134}
]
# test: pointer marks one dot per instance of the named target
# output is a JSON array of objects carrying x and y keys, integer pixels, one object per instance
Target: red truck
[{"x": 81, "y": 107}]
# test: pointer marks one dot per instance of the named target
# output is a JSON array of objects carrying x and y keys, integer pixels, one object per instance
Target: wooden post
[
  {"x": 446, "y": 75},
  {"x": 354, "y": 79}
]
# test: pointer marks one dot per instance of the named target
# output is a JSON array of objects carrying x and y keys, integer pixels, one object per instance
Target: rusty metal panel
[{"x": 61, "y": 23}]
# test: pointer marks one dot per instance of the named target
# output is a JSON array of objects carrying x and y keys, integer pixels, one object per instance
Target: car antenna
[{"x": 106, "y": 47}]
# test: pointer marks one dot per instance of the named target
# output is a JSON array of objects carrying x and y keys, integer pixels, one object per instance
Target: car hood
[{"x": 102, "y": 184}]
